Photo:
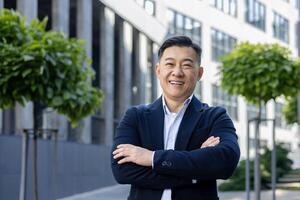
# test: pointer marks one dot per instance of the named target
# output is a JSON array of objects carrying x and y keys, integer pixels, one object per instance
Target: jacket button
[
  {"x": 169, "y": 164},
  {"x": 164, "y": 163}
]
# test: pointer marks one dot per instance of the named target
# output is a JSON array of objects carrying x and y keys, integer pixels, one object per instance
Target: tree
[
  {"x": 290, "y": 110},
  {"x": 46, "y": 68},
  {"x": 283, "y": 163},
  {"x": 259, "y": 72}
]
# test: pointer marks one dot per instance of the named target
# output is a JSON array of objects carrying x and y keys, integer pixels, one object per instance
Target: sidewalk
[{"x": 119, "y": 192}]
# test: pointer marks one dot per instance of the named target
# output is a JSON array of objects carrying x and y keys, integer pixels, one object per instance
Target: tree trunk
[
  {"x": 257, "y": 157},
  {"x": 37, "y": 126}
]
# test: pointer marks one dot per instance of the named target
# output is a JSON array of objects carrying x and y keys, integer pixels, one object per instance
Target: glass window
[
  {"x": 222, "y": 43},
  {"x": 229, "y": 102},
  {"x": 148, "y": 5},
  {"x": 279, "y": 118},
  {"x": 227, "y": 6},
  {"x": 171, "y": 19},
  {"x": 281, "y": 28},
  {"x": 256, "y": 14},
  {"x": 198, "y": 90},
  {"x": 180, "y": 24},
  {"x": 297, "y": 3},
  {"x": 252, "y": 112}
]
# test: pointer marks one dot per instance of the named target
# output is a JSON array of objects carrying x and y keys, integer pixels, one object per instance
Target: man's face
[{"x": 178, "y": 72}]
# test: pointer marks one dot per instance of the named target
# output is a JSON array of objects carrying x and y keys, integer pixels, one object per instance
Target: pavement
[{"x": 120, "y": 192}]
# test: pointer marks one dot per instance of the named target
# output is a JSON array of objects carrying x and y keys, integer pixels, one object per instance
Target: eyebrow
[{"x": 186, "y": 59}]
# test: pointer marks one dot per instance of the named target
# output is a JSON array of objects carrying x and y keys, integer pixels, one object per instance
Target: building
[{"x": 123, "y": 37}]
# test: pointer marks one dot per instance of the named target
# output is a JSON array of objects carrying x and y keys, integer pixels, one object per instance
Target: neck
[{"x": 174, "y": 105}]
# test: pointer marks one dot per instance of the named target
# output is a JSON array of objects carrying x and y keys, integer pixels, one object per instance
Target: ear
[
  {"x": 200, "y": 72},
  {"x": 157, "y": 69}
]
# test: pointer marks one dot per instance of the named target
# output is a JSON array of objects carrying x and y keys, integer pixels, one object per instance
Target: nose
[{"x": 177, "y": 71}]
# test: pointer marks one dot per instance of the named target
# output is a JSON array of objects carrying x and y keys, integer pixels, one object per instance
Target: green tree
[
  {"x": 283, "y": 166},
  {"x": 46, "y": 68},
  {"x": 259, "y": 72}
]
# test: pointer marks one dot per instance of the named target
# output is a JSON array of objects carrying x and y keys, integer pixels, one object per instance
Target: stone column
[
  {"x": 1, "y": 4},
  {"x": 28, "y": 8},
  {"x": 60, "y": 15},
  {"x": 24, "y": 115},
  {"x": 143, "y": 67},
  {"x": 107, "y": 72},
  {"x": 124, "y": 68},
  {"x": 84, "y": 31},
  {"x": 60, "y": 22}
]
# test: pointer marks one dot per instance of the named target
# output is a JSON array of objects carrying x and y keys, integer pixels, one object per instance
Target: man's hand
[
  {"x": 134, "y": 154},
  {"x": 141, "y": 156},
  {"x": 211, "y": 142}
]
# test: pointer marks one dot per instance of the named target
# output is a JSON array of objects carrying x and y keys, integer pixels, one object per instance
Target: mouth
[{"x": 176, "y": 82}]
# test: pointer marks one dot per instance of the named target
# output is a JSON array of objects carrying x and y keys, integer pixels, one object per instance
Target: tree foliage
[
  {"x": 260, "y": 72},
  {"x": 283, "y": 166},
  {"x": 45, "y": 67},
  {"x": 290, "y": 110}
]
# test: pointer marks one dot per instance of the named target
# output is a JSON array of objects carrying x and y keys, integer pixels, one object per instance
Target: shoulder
[{"x": 208, "y": 110}]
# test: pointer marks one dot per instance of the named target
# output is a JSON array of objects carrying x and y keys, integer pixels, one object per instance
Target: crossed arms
[{"x": 216, "y": 158}]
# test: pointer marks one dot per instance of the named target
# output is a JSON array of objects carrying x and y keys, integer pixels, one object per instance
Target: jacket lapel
[
  {"x": 154, "y": 116},
  {"x": 188, "y": 123}
]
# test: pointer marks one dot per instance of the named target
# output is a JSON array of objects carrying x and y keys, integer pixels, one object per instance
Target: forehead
[{"x": 179, "y": 53}]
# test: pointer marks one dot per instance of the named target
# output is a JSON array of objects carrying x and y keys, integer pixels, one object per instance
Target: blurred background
[{"x": 122, "y": 37}]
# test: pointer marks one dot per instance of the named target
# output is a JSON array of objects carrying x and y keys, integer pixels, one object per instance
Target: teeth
[{"x": 176, "y": 82}]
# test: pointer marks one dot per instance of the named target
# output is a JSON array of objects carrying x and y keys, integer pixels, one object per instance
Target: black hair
[{"x": 181, "y": 41}]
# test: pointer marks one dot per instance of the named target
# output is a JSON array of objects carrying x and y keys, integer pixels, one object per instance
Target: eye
[
  {"x": 169, "y": 64},
  {"x": 187, "y": 65}
]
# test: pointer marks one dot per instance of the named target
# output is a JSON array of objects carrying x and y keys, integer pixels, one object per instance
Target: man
[{"x": 176, "y": 147}]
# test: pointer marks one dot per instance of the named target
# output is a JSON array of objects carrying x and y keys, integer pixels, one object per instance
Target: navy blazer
[{"x": 190, "y": 171}]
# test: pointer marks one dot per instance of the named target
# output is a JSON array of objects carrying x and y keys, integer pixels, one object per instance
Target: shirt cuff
[{"x": 153, "y": 159}]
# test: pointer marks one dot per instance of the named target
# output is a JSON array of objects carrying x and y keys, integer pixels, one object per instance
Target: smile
[{"x": 176, "y": 82}]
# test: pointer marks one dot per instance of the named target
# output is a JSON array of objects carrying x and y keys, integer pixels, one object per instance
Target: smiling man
[{"x": 177, "y": 147}]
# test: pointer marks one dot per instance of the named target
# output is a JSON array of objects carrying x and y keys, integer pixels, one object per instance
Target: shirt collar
[{"x": 185, "y": 104}]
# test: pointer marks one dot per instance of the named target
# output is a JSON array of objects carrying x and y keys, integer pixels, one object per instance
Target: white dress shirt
[{"x": 171, "y": 126}]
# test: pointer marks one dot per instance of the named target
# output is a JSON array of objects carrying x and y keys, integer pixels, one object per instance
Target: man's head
[
  {"x": 180, "y": 41},
  {"x": 179, "y": 67}
]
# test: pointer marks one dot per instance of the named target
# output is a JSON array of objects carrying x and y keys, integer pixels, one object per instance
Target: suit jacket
[{"x": 190, "y": 171}]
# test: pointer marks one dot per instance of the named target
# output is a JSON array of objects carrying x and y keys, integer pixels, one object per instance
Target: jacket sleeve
[
  {"x": 130, "y": 173},
  {"x": 218, "y": 162}
]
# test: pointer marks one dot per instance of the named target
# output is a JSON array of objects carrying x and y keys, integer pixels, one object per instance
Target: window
[
  {"x": 297, "y": 3},
  {"x": 222, "y": 98},
  {"x": 222, "y": 44},
  {"x": 262, "y": 143},
  {"x": 180, "y": 24},
  {"x": 256, "y": 14},
  {"x": 252, "y": 112},
  {"x": 198, "y": 90},
  {"x": 279, "y": 120},
  {"x": 227, "y": 6},
  {"x": 280, "y": 28},
  {"x": 150, "y": 74},
  {"x": 148, "y": 5}
]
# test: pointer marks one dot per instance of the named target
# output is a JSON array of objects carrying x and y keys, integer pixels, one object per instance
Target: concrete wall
[{"x": 65, "y": 168}]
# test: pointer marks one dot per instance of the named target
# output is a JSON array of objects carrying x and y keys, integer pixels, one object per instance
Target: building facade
[{"x": 123, "y": 37}]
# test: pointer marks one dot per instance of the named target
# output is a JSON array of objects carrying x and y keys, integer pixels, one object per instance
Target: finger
[
  {"x": 117, "y": 151},
  {"x": 119, "y": 155},
  {"x": 210, "y": 139},
  {"x": 207, "y": 142},
  {"x": 122, "y": 145},
  {"x": 124, "y": 160},
  {"x": 215, "y": 142}
]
